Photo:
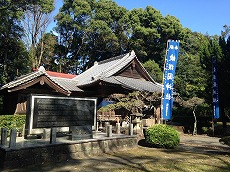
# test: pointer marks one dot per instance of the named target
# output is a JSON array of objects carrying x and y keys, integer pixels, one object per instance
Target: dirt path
[{"x": 192, "y": 149}]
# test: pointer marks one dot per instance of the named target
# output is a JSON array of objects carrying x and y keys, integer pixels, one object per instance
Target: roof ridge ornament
[
  {"x": 132, "y": 53},
  {"x": 41, "y": 68}
]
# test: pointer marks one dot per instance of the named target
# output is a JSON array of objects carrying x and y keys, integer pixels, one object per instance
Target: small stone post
[
  {"x": 53, "y": 135},
  {"x": 13, "y": 135},
  {"x": 106, "y": 124},
  {"x": 118, "y": 128},
  {"x": 23, "y": 130},
  {"x": 130, "y": 129},
  {"x": 109, "y": 130},
  {"x": 97, "y": 126},
  {"x": 46, "y": 133},
  {"x": 3, "y": 136}
]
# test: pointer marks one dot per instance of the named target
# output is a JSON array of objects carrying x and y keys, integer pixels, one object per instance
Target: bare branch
[{"x": 35, "y": 24}]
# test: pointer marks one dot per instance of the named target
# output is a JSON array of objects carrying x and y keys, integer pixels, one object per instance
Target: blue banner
[
  {"x": 169, "y": 73},
  {"x": 215, "y": 94}
]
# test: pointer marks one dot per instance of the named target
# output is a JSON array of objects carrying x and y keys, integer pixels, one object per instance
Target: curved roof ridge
[
  {"x": 104, "y": 68},
  {"x": 112, "y": 59},
  {"x": 99, "y": 63},
  {"x": 23, "y": 79},
  {"x": 109, "y": 71}
]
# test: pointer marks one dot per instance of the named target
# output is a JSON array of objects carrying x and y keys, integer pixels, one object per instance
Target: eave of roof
[
  {"x": 129, "y": 84},
  {"x": 23, "y": 79},
  {"x": 134, "y": 84},
  {"x": 63, "y": 84}
]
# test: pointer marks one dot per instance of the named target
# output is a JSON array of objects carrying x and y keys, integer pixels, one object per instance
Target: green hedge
[
  {"x": 12, "y": 121},
  {"x": 161, "y": 135}
]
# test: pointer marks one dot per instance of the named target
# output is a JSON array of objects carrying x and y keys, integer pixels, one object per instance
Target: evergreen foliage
[
  {"x": 12, "y": 121},
  {"x": 163, "y": 136}
]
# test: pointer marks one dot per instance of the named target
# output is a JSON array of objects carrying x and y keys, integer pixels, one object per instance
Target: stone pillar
[
  {"x": 118, "y": 128},
  {"x": 13, "y": 135},
  {"x": 141, "y": 126},
  {"x": 158, "y": 116},
  {"x": 130, "y": 129},
  {"x": 23, "y": 130},
  {"x": 97, "y": 126},
  {"x": 109, "y": 131},
  {"x": 3, "y": 136},
  {"x": 46, "y": 133},
  {"x": 53, "y": 135},
  {"x": 100, "y": 125},
  {"x": 106, "y": 124}
]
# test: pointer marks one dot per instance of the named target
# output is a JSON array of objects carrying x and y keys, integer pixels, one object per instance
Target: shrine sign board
[{"x": 53, "y": 111}]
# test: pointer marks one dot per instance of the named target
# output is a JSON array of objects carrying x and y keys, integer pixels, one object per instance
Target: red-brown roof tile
[{"x": 60, "y": 75}]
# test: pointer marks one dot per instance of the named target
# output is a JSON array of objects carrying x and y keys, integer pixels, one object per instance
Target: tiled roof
[
  {"x": 104, "y": 69},
  {"x": 59, "y": 79},
  {"x": 60, "y": 75},
  {"x": 134, "y": 84},
  {"x": 23, "y": 79},
  {"x": 101, "y": 71},
  {"x": 67, "y": 84}
]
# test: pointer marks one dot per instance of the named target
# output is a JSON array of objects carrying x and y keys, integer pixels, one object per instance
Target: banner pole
[{"x": 162, "y": 93}]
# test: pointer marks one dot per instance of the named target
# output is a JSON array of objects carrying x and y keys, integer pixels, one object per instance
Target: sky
[{"x": 204, "y": 16}]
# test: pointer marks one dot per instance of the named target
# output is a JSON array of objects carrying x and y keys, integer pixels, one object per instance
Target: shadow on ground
[{"x": 145, "y": 158}]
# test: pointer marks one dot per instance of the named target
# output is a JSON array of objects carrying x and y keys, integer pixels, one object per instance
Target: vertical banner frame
[
  {"x": 168, "y": 79},
  {"x": 215, "y": 92}
]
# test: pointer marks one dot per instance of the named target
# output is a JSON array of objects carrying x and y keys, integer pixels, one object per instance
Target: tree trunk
[
  {"x": 195, "y": 122},
  {"x": 5, "y": 65},
  {"x": 41, "y": 52}
]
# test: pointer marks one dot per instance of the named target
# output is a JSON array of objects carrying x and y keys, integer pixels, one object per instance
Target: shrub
[
  {"x": 12, "y": 121},
  {"x": 225, "y": 140},
  {"x": 207, "y": 130},
  {"x": 161, "y": 135}
]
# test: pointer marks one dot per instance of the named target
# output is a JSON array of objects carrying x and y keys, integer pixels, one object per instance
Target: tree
[
  {"x": 89, "y": 31},
  {"x": 191, "y": 78},
  {"x": 149, "y": 32},
  {"x": 36, "y": 20},
  {"x": 134, "y": 102},
  {"x": 12, "y": 50},
  {"x": 224, "y": 75},
  {"x": 154, "y": 70},
  {"x": 193, "y": 103},
  {"x": 96, "y": 30},
  {"x": 49, "y": 45}
]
